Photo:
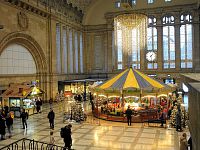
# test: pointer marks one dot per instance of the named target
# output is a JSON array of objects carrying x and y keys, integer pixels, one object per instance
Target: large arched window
[
  {"x": 64, "y": 50},
  {"x": 152, "y": 43},
  {"x": 168, "y": 42},
  {"x": 186, "y": 41},
  {"x": 81, "y": 52},
  {"x": 76, "y": 51},
  {"x": 119, "y": 49},
  {"x": 16, "y": 59},
  {"x": 71, "y": 56},
  {"x": 58, "y": 42}
]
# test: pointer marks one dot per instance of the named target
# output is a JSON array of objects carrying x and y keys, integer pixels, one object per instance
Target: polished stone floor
[{"x": 96, "y": 134}]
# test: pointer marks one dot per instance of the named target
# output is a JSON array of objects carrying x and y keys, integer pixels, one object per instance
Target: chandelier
[
  {"x": 130, "y": 20},
  {"x": 130, "y": 34}
]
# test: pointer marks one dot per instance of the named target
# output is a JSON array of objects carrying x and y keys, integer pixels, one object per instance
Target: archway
[
  {"x": 31, "y": 45},
  {"x": 35, "y": 50}
]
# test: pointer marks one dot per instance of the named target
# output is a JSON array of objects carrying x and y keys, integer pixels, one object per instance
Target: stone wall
[
  {"x": 194, "y": 114},
  {"x": 33, "y": 25}
]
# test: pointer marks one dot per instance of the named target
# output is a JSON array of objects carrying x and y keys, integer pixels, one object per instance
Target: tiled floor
[{"x": 96, "y": 134}]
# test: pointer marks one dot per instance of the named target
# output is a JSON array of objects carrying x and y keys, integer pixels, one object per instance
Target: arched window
[
  {"x": 58, "y": 42},
  {"x": 81, "y": 52},
  {"x": 16, "y": 59},
  {"x": 71, "y": 52},
  {"x": 168, "y": 42},
  {"x": 186, "y": 41},
  {"x": 119, "y": 49},
  {"x": 152, "y": 43},
  {"x": 64, "y": 50},
  {"x": 135, "y": 48},
  {"x": 76, "y": 51}
]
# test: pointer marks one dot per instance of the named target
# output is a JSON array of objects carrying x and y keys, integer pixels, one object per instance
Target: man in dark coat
[
  {"x": 51, "y": 117},
  {"x": 68, "y": 137},
  {"x": 129, "y": 115},
  {"x": 178, "y": 121},
  {"x": 24, "y": 116},
  {"x": 2, "y": 126},
  {"x": 9, "y": 123},
  {"x": 190, "y": 143}
]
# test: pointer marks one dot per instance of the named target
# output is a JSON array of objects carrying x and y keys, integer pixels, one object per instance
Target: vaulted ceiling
[{"x": 81, "y": 4}]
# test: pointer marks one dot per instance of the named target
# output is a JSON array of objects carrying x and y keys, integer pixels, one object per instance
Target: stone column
[
  {"x": 79, "y": 60},
  {"x": 160, "y": 43},
  {"x": 196, "y": 46},
  {"x": 110, "y": 53},
  {"x": 61, "y": 50},
  {"x": 74, "y": 51},
  {"x": 106, "y": 52},
  {"x": 177, "y": 42}
]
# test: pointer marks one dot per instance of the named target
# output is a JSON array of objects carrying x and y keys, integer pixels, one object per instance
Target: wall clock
[{"x": 151, "y": 56}]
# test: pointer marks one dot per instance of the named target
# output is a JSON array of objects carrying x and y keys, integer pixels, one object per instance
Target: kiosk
[{"x": 21, "y": 96}]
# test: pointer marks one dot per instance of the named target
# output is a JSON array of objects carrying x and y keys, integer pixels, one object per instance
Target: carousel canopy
[{"x": 132, "y": 80}]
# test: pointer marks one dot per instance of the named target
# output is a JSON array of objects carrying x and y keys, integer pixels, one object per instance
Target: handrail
[{"x": 32, "y": 145}]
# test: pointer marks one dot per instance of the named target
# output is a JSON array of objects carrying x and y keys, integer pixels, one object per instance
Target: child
[
  {"x": 52, "y": 141},
  {"x": 183, "y": 142}
]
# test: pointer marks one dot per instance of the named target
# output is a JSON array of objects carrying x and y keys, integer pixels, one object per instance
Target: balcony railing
[{"x": 27, "y": 144}]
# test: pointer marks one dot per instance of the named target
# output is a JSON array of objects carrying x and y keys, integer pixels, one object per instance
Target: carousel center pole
[
  {"x": 98, "y": 112},
  {"x": 122, "y": 101},
  {"x": 140, "y": 96}
]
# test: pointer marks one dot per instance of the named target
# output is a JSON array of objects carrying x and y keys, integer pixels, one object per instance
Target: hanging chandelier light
[
  {"x": 130, "y": 20},
  {"x": 131, "y": 29}
]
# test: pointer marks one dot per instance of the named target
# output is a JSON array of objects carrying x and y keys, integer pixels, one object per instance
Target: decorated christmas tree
[{"x": 178, "y": 107}]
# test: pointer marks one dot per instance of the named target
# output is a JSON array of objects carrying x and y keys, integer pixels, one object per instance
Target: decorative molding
[
  {"x": 22, "y": 20},
  {"x": 58, "y": 10}
]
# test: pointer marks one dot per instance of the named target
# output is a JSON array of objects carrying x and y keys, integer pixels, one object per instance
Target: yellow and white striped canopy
[{"x": 132, "y": 80}]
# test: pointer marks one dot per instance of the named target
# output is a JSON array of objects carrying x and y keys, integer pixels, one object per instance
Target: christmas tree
[{"x": 178, "y": 107}]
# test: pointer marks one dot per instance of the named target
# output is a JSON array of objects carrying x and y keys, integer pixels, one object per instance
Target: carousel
[{"x": 145, "y": 95}]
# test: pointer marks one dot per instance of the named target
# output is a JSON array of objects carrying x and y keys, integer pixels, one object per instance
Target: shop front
[
  {"x": 21, "y": 96},
  {"x": 77, "y": 87}
]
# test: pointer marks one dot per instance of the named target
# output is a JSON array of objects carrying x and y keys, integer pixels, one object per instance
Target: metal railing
[{"x": 28, "y": 144}]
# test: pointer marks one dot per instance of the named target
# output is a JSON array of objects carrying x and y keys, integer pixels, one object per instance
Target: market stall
[
  {"x": 130, "y": 87},
  {"x": 21, "y": 96}
]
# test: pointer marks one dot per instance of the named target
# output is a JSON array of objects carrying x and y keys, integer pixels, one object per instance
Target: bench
[{"x": 155, "y": 122}]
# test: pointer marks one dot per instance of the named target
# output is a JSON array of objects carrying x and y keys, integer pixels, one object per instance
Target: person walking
[
  {"x": 51, "y": 117},
  {"x": 129, "y": 115},
  {"x": 9, "y": 123},
  {"x": 51, "y": 102},
  {"x": 183, "y": 142},
  {"x": 66, "y": 135},
  {"x": 178, "y": 121},
  {"x": 190, "y": 142},
  {"x": 24, "y": 116},
  {"x": 2, "y": 126},
  {"x": 52, "y": 141},
  {"x": 162, "y": 118},
  {"x": 37, "y": 106}
]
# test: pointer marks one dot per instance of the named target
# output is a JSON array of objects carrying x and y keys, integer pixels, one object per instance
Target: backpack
[{"x": 65, "y": 132}]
